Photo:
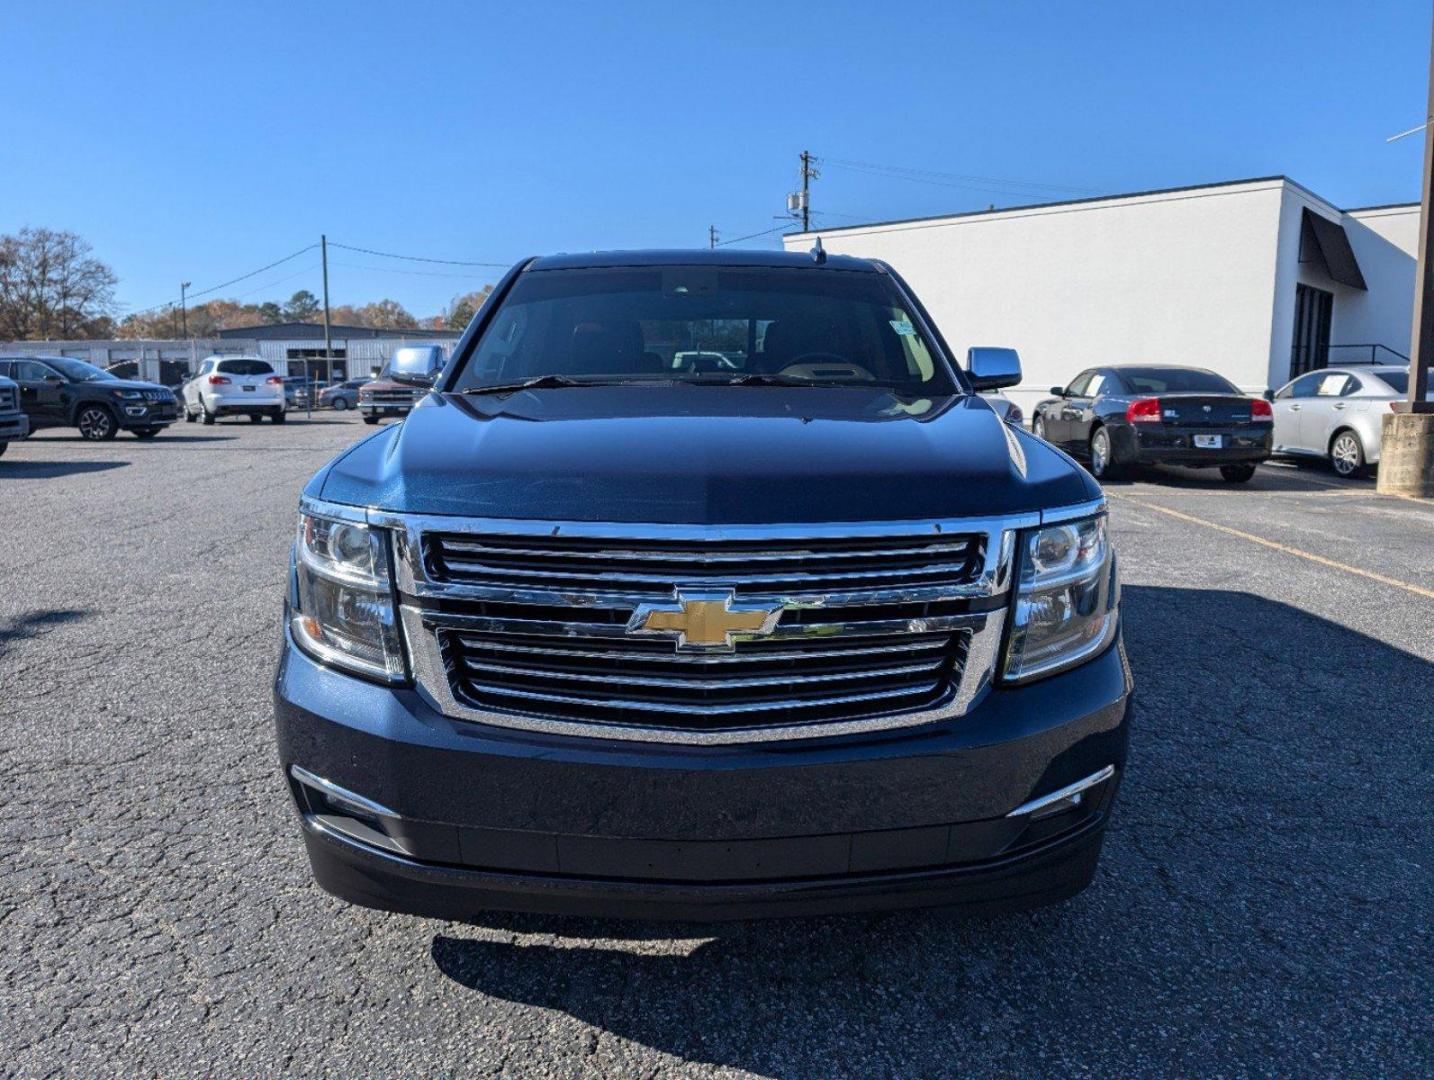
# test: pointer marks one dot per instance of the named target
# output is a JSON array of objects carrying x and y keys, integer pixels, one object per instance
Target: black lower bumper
[
  {"x": 1045, "y": 874},
  {"x": 465, "y": 817},
  {"x": 1133, "y": 446},
  {"x": 14, "y": 426}
]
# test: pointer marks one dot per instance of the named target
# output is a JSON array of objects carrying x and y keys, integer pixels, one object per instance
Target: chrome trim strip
[
  {"x": 689, "y": 659},
  {"x": 411, "y": 585},
  {"x": 701, "y": 557},
  {"x": 711, "y": 710},
  {"x": 1056, "y": 515},
  {"x": 783, "y": 679},
  {"x": 1035, "y": 805},
  {"x": 339, "y": 794},
  {"x": 705, "y": 577}
]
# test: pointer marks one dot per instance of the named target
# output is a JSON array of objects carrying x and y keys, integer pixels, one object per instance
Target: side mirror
[
  {"x": 1268, "y": 395},
  {"x": 992, "y": 368},
  {"x": 416, "y": 365},
  {"x": 1059, "y": 391}
]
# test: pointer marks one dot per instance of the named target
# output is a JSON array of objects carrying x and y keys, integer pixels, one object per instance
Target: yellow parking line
[{"x": 1417, "y": 590}]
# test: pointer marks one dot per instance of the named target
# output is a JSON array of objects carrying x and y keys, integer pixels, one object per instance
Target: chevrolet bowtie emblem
[{"x": 704, "y": 621}]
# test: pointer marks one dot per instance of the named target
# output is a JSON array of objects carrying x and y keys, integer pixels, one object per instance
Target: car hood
[
  {"x": 703, "y": 455},
  {"x": 121, "y": 384}
]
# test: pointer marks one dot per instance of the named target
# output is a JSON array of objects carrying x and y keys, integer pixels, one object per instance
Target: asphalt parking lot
[{"x": 1263, "y": 906}]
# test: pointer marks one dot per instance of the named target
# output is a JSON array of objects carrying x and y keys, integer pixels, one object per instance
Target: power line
[
  {"x": 225, "y": 284},
  {"x": 1000, "y": 185},
  {"x": 753, "y": 236},
  {"x": 418, "y": 258},
  {"x": 415, "y": 273}
]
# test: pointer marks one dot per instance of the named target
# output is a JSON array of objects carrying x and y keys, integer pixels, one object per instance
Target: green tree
[
  {"x": 386, "y": 315},
  {"x": 462, "y": 308},
  {"x": 301, "y": 307}
]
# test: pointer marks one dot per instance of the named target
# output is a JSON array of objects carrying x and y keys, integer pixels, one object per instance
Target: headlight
[
  {"x": 128, "y": 395},
  {"x": 345, "y": 614},
  {"x": 1066, "y": 597}
]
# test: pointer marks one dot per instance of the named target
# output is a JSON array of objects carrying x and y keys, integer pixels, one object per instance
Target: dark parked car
[
  {"x": 1123, "y": 416},
  {"x": 14, "y": 424},
  {"x": 342, "y": 395},
  {"x": 57, "y": 391},
  {"x": 814, "y": 631}
]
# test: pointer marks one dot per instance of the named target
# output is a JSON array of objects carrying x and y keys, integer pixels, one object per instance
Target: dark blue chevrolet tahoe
[{"x": 703, "y": 585}]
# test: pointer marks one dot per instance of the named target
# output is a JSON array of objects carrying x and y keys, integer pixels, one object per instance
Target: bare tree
[{"x": 51, "y": 286}]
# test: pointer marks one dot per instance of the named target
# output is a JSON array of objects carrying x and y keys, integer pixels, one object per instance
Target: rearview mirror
[
  {"x": 991, "y": 368},
  {"x": 416, "y": 365}
]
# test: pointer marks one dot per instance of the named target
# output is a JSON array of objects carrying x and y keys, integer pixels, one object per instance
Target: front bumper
[
  {"x": 468, "y": 817},
  {"x": 237, "y": 404},
  {"x": 148, "y": 414},
  {"x": 14, "y": 426},
  {"x": 1134, "y": 445},
  {"x": 368, "y": 408}
]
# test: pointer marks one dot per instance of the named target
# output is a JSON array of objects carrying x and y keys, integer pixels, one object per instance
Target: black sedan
[{"x": 1123, "y": 416}]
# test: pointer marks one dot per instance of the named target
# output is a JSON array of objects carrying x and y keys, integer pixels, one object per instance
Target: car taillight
[
  {"x": 274, "y": 380},
  {"x": 1260, "y": 410},
  {"x": 218, "y": 380},
  {"x": 1144, "y": 411}
]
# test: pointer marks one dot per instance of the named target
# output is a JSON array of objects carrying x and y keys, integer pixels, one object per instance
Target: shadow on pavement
[
  {"x": 1268, "y": 478},
  {"x": 37, "y": 622},
  {"x": 46, "y": 470},
  {"x": 1255, "y": 900}
]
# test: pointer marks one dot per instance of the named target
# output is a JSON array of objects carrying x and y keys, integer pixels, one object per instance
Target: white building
[{"x": 1258, "y": 279}]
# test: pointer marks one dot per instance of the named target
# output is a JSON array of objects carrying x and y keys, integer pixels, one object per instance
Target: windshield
[
  {"x": 705, "y": 324},
  {"x": 78, "y": 370},
  {"x": 1175, "y": 381}
]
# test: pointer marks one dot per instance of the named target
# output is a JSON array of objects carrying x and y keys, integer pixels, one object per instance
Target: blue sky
[{"x": 199, "y": 142}]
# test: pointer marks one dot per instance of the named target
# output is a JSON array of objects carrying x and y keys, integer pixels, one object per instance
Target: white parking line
[{"x": 1417, "y": 590}]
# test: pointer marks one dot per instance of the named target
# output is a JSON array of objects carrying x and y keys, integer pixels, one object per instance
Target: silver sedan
[{"x": 1337, "y": 414}]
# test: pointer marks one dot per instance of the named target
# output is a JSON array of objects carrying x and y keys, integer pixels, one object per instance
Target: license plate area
[
  {"x": 1208, "y": 442},
  {"x": 250, "y": 389}
]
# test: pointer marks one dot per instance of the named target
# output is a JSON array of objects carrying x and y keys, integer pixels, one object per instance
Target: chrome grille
[
  {"x": 783, "y": 681},
  {"x": 389, "y": 397},
  {"x": 745, "y": 566}
]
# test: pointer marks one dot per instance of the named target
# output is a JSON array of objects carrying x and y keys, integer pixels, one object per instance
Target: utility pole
[
  {"x": 1406, "y": 462},
  {"x": 328, "y": 338},
  {"x": 183, "y": 309},
  {"x": 808, "y": 175},
  {"x": 711, "y": 236}
]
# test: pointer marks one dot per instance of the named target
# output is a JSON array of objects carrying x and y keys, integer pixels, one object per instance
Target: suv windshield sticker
[{"x": 903, "y": 327}]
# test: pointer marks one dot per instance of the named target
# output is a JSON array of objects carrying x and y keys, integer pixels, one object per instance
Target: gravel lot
[{"x": 1263, "y": 906}]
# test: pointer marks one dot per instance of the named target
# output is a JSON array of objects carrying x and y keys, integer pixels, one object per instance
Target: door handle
[
  {"x": 1294, "y": 408},
  {"x": 1339, "y": 405}
]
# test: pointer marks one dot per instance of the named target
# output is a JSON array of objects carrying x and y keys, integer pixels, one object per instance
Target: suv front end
[
  {"x": 705, "y": 643},
  {"x": 14, "y": 424},
  {"x": 458, "y": 738}
]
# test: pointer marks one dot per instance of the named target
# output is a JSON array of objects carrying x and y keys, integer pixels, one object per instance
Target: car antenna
[{"x": 819, "y": 253}]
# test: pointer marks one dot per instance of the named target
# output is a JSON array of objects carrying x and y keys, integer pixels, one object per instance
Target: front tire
[
  {"x": 96, "y": 423},
  {"x": 341, "y": 404},
  {"x": 1237, "y": 474},
  {"x": 1102, "y": 455},
  {"x": 144, "y": 432},
  {"x": 189, "y": 417},
  {"x": 278, "y": 417},
  {"x": 370, "y": 419},
  {"x": 1346, "y": 455}
]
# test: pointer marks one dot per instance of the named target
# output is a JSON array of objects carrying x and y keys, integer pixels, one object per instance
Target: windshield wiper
[
  {"x": 758, "y": 378},
  {"x": 537, "y": 382}
]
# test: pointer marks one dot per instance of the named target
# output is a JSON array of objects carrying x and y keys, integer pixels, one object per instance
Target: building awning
[{"x": 1325, "y": 241}]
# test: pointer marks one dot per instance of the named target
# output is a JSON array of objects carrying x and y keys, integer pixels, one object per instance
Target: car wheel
[
  {"x": 1102, "y": 455},
  {"x": 341, "y": 403},
  {"x": 189, "y": 417},
  {"x": 279, "y": 417},
  {"x": 370, "y": 419},
  {"x": 254, "y": 418},
  {"x": 96, "y": 422},
  {"x": 144, "y": 432},
  {"x": 1038, "y": 426},
  {"x": 1346, "y": 454},
  {"x": 1237, "y": 474}
]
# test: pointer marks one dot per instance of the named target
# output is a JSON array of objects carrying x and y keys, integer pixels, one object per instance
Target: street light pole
[{"x": 183, "y": 308}]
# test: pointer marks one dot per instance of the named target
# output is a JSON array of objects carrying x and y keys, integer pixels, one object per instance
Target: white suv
[{"x": 234, "y": 385}]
